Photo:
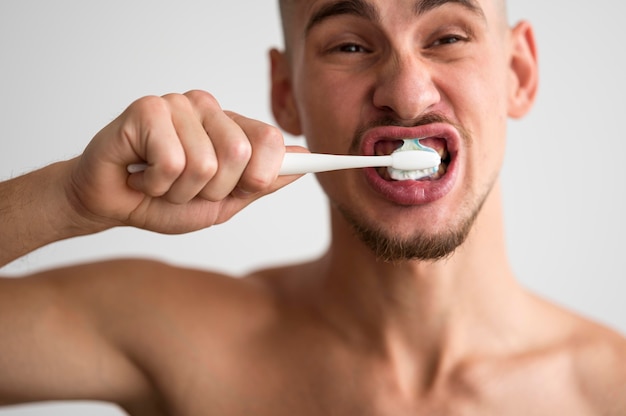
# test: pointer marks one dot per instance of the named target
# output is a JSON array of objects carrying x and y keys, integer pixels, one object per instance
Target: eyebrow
[
  {"x": 366, "y": 10},
  {"x": 423, "y": 6},
  {"x": 359, "y": 8}
]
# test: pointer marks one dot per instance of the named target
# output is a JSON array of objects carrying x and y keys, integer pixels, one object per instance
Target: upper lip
[{"x": 393, "y": 133}]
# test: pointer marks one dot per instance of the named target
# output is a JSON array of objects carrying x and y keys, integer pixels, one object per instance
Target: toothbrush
[
  {"x": 300, "y": 163},
  {"x": 412, "y": 145},
  {"x": 297, "y": 163}
]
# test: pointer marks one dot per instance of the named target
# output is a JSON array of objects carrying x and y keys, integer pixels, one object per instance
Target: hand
[{"x": 204, "y": 165}]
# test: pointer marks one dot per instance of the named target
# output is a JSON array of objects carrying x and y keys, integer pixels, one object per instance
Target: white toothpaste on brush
[{"x": 403, "y": 175}]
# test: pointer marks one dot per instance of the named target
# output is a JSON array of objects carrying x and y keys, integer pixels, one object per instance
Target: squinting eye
[
  {"x": 351, "y": 48},
  {"x": 448, "y": 40}
]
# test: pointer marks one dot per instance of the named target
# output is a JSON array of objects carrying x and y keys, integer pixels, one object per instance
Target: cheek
[
  {"x": 330, "y": 109},
  {"x": 493, "y": 117},
  {"x": 479, "y": 99}
]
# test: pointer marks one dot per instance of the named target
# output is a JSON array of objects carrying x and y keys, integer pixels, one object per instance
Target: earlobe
[
  {"x": 524, "y": 70},
  {"x": 283, "y": 104}
]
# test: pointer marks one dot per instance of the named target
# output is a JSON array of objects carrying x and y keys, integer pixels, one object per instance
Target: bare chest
[{"x": 276, "y": 386}]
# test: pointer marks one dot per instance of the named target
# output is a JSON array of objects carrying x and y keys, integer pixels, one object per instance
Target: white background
[{"x": 68, "y": 67}]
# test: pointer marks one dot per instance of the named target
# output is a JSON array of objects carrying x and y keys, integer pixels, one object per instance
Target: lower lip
[{"x": 411, "y": 192}]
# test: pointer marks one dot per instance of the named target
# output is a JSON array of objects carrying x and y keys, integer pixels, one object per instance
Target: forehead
[{"x": 305, "y": 13}]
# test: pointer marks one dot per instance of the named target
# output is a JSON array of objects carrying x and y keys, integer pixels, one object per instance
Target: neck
[{"x": 435, "y": 307}]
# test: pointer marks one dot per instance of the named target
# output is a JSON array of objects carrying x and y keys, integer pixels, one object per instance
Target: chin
[{"x": 401, "y": 242}]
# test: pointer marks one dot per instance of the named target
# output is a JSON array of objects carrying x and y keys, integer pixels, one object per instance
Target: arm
[
  {"x": 141, "y": 334},
  {"x": 205, "y": 165},
  {"x": 60, "y": 332},
  {"x": 35, "y": 210},
  {"x": 61, "y": 339}
]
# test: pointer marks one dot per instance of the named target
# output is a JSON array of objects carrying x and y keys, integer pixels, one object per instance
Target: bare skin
[{"x": 349, "y": 333}]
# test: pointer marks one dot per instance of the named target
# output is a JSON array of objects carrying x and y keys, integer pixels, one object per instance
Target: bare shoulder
[
  {"x": 124, "y": 275},
  {"x": 158, "y": 283},
  {"x": 588, "y": 357},
  {"x": 148, "y": 324},
  {"x": 599, "y": 358},
  {"x": 185, "y": 311},
  {"x": 154, "y": 294}
]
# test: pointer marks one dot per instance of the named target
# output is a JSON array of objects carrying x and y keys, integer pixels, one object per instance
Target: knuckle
[
  {"x": 148, "y": 105},
  {"x": 142, "y": 114},
  {"x": 267, "y": 135},
  {"x": 175, "y": 100},
  {"x": 172, "y": 167},
  {"x": 257, "y": 181},
  {"x": 238, "y": 151},
  {"x": 202, "y": 99},
  {"x": 202, "y": 168}
]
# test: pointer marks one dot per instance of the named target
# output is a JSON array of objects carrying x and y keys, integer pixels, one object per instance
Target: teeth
[
  {"x": 401, "y": 175},
  {"x": 443, "y": 168},
  {"x": 386, "y": 147}
]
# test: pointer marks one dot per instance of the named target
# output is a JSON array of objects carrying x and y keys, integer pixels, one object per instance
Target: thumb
[
  {"x": 280, "y": 182},
  {"x": 284, "y": 180}
]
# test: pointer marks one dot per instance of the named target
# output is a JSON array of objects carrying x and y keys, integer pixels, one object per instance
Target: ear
[
  {"x": 524, "y": 70},
  {"x": 283, "y": 104}
]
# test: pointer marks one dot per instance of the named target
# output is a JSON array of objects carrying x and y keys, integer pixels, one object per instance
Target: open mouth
[{"x": 386, "y": 147}]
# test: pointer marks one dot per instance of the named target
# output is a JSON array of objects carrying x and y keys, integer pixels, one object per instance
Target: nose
[{"x": 405, "y": 88}]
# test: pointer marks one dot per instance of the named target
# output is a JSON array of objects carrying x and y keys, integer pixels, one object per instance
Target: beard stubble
[{"x": 421, "y": 245}]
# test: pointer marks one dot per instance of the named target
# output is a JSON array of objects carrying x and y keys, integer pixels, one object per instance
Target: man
[{"x": 412, "y": 310}]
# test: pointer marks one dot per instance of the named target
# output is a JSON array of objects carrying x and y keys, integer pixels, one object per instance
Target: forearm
[
  {"x": 36, "y": 209},
  {"x": 194, "y": 179}
]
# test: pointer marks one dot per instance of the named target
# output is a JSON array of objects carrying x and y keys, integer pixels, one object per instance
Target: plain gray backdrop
[{"x": 68, "y": 67}]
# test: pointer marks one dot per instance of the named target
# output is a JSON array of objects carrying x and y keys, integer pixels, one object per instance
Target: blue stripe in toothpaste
[{"x": 404, "y": 175}]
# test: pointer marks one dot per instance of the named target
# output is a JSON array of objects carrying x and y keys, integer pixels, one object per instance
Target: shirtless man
[{"x": 413, "y": 310}]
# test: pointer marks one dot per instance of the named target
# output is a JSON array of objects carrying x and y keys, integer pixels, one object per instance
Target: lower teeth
[{"x": 415, "y": 175}]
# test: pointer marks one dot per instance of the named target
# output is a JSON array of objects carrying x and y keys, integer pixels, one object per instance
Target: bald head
[
  {"x": 287, "y": 9},
  {"x": 285, "y": 17},
  {"x": 284, "y": 4}
]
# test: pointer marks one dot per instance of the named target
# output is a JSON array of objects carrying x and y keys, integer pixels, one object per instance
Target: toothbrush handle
[{"x": 299, "y": 163}]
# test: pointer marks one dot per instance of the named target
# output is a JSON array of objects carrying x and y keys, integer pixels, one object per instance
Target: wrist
[
  {"x": 35, "y": 211},
  {"x": 75, "y": 218}
]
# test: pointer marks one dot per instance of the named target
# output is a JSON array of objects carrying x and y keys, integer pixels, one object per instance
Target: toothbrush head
[{"x": 407, "y": 154}]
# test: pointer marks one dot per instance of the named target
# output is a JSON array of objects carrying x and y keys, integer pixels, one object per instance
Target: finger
[
  {"x": 279, "y": 182},
  {"x": 268, "y": 150},
  {"x": 231, "y": 145},
  {"x": 147, "y": 126},
  {"x": 238, "y": 199},
  {"x": 200, "y": 158}
]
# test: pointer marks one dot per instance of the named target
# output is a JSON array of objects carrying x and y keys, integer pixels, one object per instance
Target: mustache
[{"x": 423, "y": 120}]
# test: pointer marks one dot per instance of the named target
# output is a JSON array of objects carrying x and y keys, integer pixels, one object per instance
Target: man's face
[{"x": 368, "y": 73}]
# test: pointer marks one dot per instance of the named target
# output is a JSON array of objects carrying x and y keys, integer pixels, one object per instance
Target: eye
[
  {"x": 449, "y": 40},
  {"x": 351, "y": 48}
]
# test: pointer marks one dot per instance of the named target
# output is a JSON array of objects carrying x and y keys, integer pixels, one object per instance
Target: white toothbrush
[{"x": 299, "y": 163}]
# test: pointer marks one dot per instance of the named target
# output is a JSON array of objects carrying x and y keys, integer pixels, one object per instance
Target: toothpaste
[{"x": 403, "y": 175}]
